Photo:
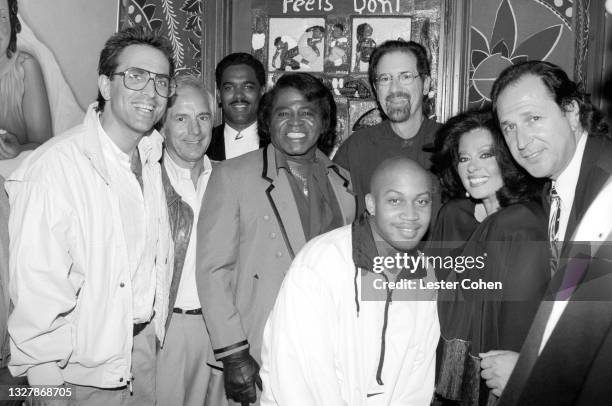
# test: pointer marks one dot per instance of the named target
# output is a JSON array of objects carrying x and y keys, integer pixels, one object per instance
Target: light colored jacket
[
  {"x": 322, "y": 342},
  {"x": 70, "y": 279}
]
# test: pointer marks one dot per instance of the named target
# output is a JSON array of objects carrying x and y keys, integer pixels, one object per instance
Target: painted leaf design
[
  {"x": 477, "y": 57},
  {"x": 541, "y": 44},
  {"x": 156, "y": 24},
  {"x": 479, "y": 41},
  {"x": 474, "y": 96},
  {"x": 149, "y": 11},
  {"x": 500, "y": 48},
  {"x": 505, "y": 27},
  {"x": 192, "y": 6},
  {"x": 196, "y": 46},
  {"x": 192, "y": 23}
]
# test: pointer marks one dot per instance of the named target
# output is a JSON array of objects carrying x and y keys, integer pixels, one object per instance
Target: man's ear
[
  {"x": 572, "y": 113},
  {"x": 426, "y": 85},
  {"x": 370, "y": 204},
  {"x": 104, "y": 86},
  {"x": 218, "y": 97}
]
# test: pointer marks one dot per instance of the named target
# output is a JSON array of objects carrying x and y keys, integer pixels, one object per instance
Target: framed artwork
[
  {"x": 338, "y": 45},
  {"x": 369, "y": 32},
  {"x": 296, "y": 44}
]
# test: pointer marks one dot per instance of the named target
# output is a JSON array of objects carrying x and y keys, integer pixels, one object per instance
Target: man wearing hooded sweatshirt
[{"x": 333, "y": 337}]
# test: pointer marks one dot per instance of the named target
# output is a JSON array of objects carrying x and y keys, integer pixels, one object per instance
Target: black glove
[{"x": 240, "y": 375}]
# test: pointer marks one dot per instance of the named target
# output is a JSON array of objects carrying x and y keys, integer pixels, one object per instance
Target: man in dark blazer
[
  {"x": 259, "y": 210},
  {"x": 555, "y": 133},
  {"x": 240, "y": 82}
]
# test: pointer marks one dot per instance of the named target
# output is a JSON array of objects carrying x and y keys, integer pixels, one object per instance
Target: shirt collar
[
  {"x": 184, "y": 173},
  {"x": 565, "y": 184},
  {"x": 247, "y": 132}
]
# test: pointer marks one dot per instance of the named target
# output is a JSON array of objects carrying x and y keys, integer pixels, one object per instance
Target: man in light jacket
[
  {"x": 340, "y": 333},
  {"x": 91, "y": 250}
]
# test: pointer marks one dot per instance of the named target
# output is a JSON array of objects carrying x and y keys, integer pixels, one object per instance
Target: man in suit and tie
[
  {"x": 240, "y": 84},
  {"x": 555, "y": 133},
  {"x": 259, "y": 210}
]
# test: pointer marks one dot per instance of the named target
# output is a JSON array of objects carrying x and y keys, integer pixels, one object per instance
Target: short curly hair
[
  {"x": 314, "y": 91},
  {"x": 518, "y": 184}
]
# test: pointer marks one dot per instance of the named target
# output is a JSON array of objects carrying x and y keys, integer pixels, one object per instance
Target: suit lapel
[
  {"x": 344, "y": 196},
  {"x": 282, "y": 202},
  {"x": 595, "y": 170},
  {"x": 583, "y": 326},
  {"x": 216, "y": 149}
]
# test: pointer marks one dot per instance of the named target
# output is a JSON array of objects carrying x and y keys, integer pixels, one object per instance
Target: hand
[
  {"x": 240, "y": 375},
  {"x": 497, "y": 367},
  {"x": 9, "y": 145}
]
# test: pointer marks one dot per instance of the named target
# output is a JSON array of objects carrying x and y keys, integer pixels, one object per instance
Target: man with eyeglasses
[
  {"x": 399, "y": 74},
  {"x": 91, "y": 249}
]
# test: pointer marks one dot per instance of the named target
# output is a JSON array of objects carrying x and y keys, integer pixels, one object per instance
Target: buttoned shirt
[
  {"x": 240, "y": 142},
  {"x": 180, "y": 178},
  {"x": 565, "y": 185},
  {"x": 132, "y": 208}
]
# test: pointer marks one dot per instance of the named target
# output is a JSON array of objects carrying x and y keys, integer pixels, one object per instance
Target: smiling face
[
  {"x": 400, "y": 202},
  {"x": 239, "y": 94},
  {"x": 295, "y": 123},
  {"x": 128, "y": 112},
  {"x": 188, "y": 127},
  {"x": 541, "y": 136},
  {"x": 397, "y": 101},
  {"x": 477, "y": 166}
]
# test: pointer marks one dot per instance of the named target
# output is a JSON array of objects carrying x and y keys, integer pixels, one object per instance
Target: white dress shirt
[
  {"x": 131, "y": 203},
  {"x": 566, "y": 189},
  {"x": 180, "y": 178},
  {"x": 240, "y": 142}
]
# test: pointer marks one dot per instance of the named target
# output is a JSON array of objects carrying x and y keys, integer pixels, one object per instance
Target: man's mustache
[
  {"x": 397, "y": 94},
  {"x": 239, "y": 101}
]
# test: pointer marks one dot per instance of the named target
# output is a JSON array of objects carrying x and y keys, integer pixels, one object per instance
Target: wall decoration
[
  {"x": 321, "y": 38},
  {"x": 296, "y": 44},
  {"x": 338, "y": 45},
  {"x": 179, "y": 21},
  {"x": 370, "y": 32},
  {"x": 506, "y": 32}
]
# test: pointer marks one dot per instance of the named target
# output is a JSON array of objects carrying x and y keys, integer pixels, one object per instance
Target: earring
[{"x": 467, "y": 194}]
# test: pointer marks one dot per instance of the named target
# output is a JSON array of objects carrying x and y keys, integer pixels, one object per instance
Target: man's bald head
[
  {"x": 400, "y": 201},
  {"x": 397, "y": 166}
]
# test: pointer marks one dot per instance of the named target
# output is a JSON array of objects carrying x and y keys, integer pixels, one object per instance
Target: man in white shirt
[
  {"x": 182, "y": 370},
  {"x": 240, "y": 84},
  {"x": 554, "y": 133},
  {"x": 90, "y": 239}
]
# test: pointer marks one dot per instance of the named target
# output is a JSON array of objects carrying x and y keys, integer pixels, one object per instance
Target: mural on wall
[
  {"x": 510, "y": 31},
  {"x": 333, "y": 40},
  {"x": 179, "y": 20}
]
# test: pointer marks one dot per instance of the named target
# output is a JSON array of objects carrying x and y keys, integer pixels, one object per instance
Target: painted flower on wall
[
  {"x": 490, "y": 55},
  {"x": 179, "y": 20}
]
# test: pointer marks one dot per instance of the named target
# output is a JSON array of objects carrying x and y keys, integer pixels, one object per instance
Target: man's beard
[{"x": 398, "y": 114}]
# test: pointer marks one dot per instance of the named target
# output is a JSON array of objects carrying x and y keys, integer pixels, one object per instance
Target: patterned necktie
[
  {"x": 553, "y": 229},
  {"x": 298, "y": 172}
]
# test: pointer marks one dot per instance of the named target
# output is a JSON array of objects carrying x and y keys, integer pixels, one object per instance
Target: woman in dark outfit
[{"x": 502, "y": 223}]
